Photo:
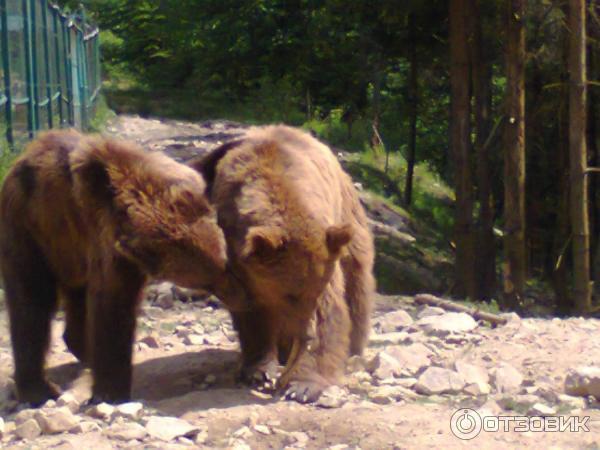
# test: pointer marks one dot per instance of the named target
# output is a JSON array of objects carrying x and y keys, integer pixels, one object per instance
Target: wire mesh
[{"x": 49, "y": 69}]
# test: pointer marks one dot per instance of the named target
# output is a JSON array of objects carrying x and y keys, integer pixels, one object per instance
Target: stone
[
  {"x": 151, "y": 341},
  {"x": 571, "y": 401},
  {"x": 444, "y": 324},
  {"x": 87, "y": 426},
  {"x": 193, "y": 339},
  {"x": 102, "y": 411},
  {"x": 130, "y": 410},
  {"x": 262, "y": 429},
  {"x": 394, "y": 321},
  {"x": 539, "y": 409},
  {"x": 428, "y": 311},
  {"x": 507, "y": 379},
  {"x": 243, "y": 432},
  {"x": 395, "y": 338},
  {"x": 583, "y": 381},
  {"x": 168, "y": 428},
  {"x": 28, "y": 430},
  {"x": 476, "y": 378},
  {"x": 298, "y": 438},
  {"x": 437, "y": 380},
  {"x": 2, "y": 427},
  {"x": 68, "y": 400},
  {"x": 412, "y": 358},
  {"x": 332, "y": 397},
  {"x": 126, "y": 431},
  {"x": 385, "y": 366},
  {"x": 56, "y": 420},
  {"x": 356, "y": 363},
  {"x": 24, "y": 415},
  {"x": 384, "y": 395}
]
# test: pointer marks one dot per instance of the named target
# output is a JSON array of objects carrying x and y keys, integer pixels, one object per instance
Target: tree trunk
[
  {"x": 461, "y": 148},
  {"x": 578, "y": 157},
  {"x": 377, "y": 81},
  {"x": 514, "y": 159},
  {"x": 413, "y": 99},
  {"x": 482, "y": 77}
]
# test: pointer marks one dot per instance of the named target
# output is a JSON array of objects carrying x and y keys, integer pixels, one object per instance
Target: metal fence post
[
  {"x": 34, "y": 66},
  {"x": 31, "y": 125},
  {"x": 47, "y": 64},
  {"x": 59, "y": 81},
  {"x": 6, "y": 69}
]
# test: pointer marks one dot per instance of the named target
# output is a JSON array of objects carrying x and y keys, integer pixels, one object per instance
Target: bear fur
[
  {"x": 298, "y": 239},
  {"x": 89, "y": 220}
]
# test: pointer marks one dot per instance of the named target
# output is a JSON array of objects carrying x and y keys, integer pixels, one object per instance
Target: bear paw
[
  {"x": 39, "y": 393},
  {"x": 262, "y": 375},
  {"x": 304, "y": 391}
]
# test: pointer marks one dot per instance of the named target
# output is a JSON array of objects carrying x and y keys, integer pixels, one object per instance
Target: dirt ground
[{"x": 186, "y": 355}]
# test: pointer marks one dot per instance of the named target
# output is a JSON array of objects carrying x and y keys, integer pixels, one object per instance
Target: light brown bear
[
  {"x": 298, "y": 239},
  {"x": 91, "y": 219}
]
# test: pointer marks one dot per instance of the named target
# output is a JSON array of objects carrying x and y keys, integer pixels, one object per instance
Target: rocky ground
[{"x": 423, "y": 364}]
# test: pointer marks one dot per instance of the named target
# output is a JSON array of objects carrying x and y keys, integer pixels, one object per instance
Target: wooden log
[{"x": 448, "y": 305}]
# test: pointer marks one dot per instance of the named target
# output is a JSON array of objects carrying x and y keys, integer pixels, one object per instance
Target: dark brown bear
[
  {"x": 90, "y": 220},
  {"x": 297, "y": 236}
]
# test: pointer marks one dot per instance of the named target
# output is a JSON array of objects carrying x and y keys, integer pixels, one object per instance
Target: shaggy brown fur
[
  {"x": 297, "y": 236},
  {"x": 91, "y": 219}
]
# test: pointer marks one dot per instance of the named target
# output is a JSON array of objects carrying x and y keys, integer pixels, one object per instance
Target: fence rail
[{"x": 49, "y": 66}]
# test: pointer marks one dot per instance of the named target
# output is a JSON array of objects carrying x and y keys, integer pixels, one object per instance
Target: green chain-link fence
[{"x": 50, "y": 67}]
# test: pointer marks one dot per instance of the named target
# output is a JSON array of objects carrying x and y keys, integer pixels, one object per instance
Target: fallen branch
[{"x": 448, "y": 305}]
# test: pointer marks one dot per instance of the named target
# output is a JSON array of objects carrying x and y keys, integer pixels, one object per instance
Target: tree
[
  {"x": 514, "y": 158},
  {"x": 460, "y": 143},
  {"x": 578, "y": 156},
  {"x": 482, "y": 77},
  {"x": 413, "y": 102}
]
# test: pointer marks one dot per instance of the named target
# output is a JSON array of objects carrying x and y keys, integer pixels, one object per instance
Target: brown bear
[
  {"x": 298, "y": 239},
  {"x": 90, "y": 220}
]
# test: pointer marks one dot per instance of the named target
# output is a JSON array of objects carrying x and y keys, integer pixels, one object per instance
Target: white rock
[
  {"x": 68, "y": 399},
  {"x": 262, "y": 429},
  {"x": 102, "y": 411},
  {"x": 437, "y": 380},
  {"x": 507, "y": 379},
  {"x": 126, "y": 431},
  {"x": 24, "y": 415},
  {"x": 87, "y": 426},
  {"x": 243, "y": 432},
  {"x": 573, "y": 402},
  {"x": 394, "y": 321},
  {"x": 238, "y": 444},
  {"x": 56, "y": 420},
  {"x": 28, "y": 430},
  {"x": 384, "y": 395},
  {"x": 385, "y": 366},
  {"x": 130, "y": 410},
  {"x": 539, "y": 409},
  {"x": 447, "y": 323},
  {"x": 299, "y": 438},
  {"x": 429, "y": 311},
  {"x": 583, "y": 381},
  {"x": 169, "y": 428},
  {"x": 332, "y": 397},
  {"x": 412, "y": 358},
  {"x": 356, "y": 363},
  {"x": 2, "y": 427},
  {"x": 398, "y": 337},
  {"x": 193, "y": 339},
  {"x": 476, "y": 378}
]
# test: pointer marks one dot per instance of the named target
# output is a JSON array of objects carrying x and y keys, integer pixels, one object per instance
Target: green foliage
[{"x": 101, "y": 116}]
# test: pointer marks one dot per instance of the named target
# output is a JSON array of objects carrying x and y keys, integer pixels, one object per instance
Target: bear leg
[
  {"x": 30, "y": 288},
  {"x": 258, "y": 340},
  {"x": 75, "y": 313},
  {"x": 112, "y": 301},
  {"x": 357, "y": 266},
  {"x": 324, "y": 361}
]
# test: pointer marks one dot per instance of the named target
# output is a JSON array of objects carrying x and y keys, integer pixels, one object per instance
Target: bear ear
[
  {"x": 338, "y": 236},
  {"x": 95, "y": 181},
  {"x": 262, "y": 242}
]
